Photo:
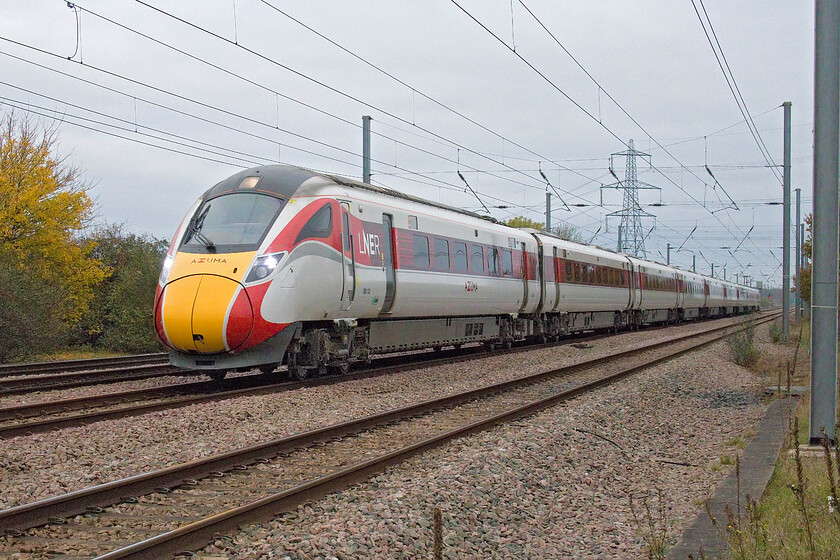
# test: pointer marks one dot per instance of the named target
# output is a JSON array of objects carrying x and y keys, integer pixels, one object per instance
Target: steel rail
[
  {"x": 14, "y": 420},
  {"x": 199, "y": 533},
  {"x": 77, "y": 365},
  {"x": 50, "y": 382},
  {"x": 39, "y": 513}
]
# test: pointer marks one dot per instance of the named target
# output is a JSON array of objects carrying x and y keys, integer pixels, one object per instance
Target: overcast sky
[{"x": 252, "y": 86}]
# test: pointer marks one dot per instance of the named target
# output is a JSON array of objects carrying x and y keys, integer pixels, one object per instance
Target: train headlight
[
  {"x": 263, "y": 267},
  {"x": 167, "y": 268}
]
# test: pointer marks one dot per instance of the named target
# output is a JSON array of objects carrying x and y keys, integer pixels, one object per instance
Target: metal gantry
[{"x": 631, "y": 237}]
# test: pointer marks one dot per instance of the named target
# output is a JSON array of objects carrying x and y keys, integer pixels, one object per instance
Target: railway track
[
  {"x": 82, "y": 365},
  {"x": 161, "y": 513},
  {"x": 63, "y": 413},
  {"x": 29, "y": 383}
]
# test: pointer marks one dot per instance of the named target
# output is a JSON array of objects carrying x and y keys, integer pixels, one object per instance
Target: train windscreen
[{"x": 231, "y": 223}]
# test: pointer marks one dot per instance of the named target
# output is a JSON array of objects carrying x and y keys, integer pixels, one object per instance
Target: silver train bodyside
[{"x": 363, "y": 270}]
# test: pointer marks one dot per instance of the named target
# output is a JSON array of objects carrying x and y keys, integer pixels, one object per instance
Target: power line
[
  {"x": 591, "y": 116},
  {"x": 228, "y": 113},
  {"x": 733, "y": 87},
  {"x": 208, "y": 148},
  {"x": 298, "y": 73}
]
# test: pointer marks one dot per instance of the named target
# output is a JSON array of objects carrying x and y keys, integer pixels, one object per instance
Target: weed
[
  {"x": 653, "y": 529},
  {"x": 826, "y": 445},
  {"x": 775, "y": 331},
  {"x": 799, "y": 488},
  {"x": 738, "y": 442},
  {"x": 437, "y": 517},
  {"x": 742, "y": 345}
]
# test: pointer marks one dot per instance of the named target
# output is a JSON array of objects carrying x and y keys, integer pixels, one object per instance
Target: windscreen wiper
[{"x": 195, "y": 230}]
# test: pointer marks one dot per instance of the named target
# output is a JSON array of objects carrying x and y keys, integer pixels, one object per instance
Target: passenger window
[
  {"x": 493, "y": 261},
  {"x": 568, "y": 271},
  {"x": 507, "y": 263},
  {"x": 477, "y": 258},
  {"x": 442, "y": 254},
  {"x": 318, "y": 226},
  {"x": 421, "y": 251},
  {"x": 460, "y": 257}
]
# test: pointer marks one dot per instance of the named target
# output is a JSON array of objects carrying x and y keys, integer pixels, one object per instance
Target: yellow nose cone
[{"x": 195, "y": 312}]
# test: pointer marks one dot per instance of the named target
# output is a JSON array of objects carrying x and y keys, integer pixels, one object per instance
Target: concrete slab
[
  {"x": 757, "y": 465},
  {"x": 795, "y": 390}
]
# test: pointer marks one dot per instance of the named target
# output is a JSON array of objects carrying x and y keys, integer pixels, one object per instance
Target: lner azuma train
[{"x": 279, "y": 264}]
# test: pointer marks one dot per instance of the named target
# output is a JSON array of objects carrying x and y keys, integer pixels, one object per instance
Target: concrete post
[
  {"x": 802, "y": 262},
  {"x": 798, "y": 261},
  {"x": 547, "y": 211},
  {"x": 824, "y": 236},
  {"x": 366, "y": 149},
  {"x": 786, "y": 231}
]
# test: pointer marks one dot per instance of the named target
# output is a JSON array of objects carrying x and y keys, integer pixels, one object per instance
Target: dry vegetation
[{"x": 794, "y": 518}]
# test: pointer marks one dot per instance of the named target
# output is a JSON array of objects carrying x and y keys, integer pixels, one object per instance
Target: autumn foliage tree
[
  {"x": 47, "y": 274},
  {"x": 563, "y": 231},
  {"x": 803, "y": 278}
]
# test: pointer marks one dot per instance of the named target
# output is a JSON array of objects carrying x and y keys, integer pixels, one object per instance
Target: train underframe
[{"x": 317, "y": 348}]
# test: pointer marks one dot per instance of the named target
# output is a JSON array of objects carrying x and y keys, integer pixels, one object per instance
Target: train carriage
[
  {"x": 281, "y": 264},
  {"x": 587, "y": 286},
  {"x": 657, "y": 298},
  {"x": 695, "y": 296}
]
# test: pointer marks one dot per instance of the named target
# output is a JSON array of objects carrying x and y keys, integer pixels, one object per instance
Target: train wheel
[
  {"x": 297, "y": 370},
  {"x": 268, "y": 368},
  {"x": 217, "y": 375},
  {"x": 508, "y": 344},
  {"x": 341, "y": 369},
  {"x": 323, "y": 369},
  {"x": 456, "y": 346}
]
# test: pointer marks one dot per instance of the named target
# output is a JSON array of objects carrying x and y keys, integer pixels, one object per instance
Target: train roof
[
  {"x": 284, "y": 181},
  {"x": 391, "y": 192}
]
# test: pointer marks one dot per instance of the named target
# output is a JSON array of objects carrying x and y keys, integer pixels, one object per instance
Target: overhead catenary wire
[
  {"x": 517, "y": 54},
  {"x": 298, "y": 73},
  {"x": 318, "y": 82},
  {"x": 214, "y": 108},
  {"x": 395, "y": 174},
  {"x": 733, "y": 86}
]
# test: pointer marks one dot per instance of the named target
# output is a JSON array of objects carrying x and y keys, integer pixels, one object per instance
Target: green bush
[
  {"x": 742, "y": 344},
  {"x": 29, "y": 313},
  {"x": 121, "y": 318},
  {"x": 775, "y": 331}
]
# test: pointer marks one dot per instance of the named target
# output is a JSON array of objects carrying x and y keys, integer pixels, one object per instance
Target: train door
[
  {"x": 524, "y": 276},
  {"x": 388, "y": 262},
  {"x": 348, "y": 259},
  {"x": 631, "y": 301},
  {"x": 556, "y": 265},
  {"x": 680, "y": 282}
]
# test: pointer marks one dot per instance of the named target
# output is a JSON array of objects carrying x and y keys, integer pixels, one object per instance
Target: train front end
[{"x": 219, "y": 266}]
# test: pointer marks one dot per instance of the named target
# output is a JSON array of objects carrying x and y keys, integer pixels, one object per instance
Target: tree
[
  {"x": 46, "y": 266},
  {"x": 523, "y": 222},
  {"x": 803, "y": 278},
  {"x": 123, "y": 318},
  {"x": 563, "y": 231},
  {"x": 568, "y": 232}
]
